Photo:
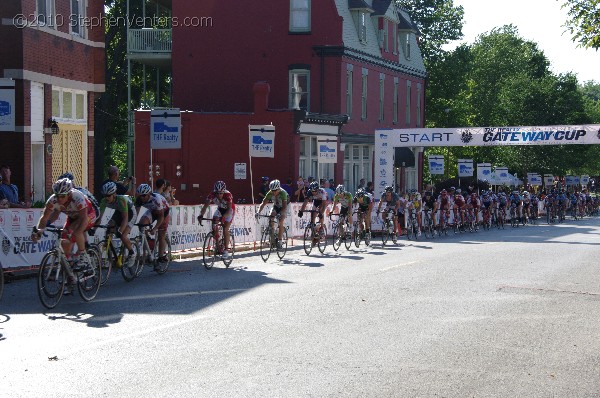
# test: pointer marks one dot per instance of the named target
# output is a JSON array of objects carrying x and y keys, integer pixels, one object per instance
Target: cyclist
[
  {"x": 414, "y": 204},
  {"x": 473, "y": 205},
  {"x": 487, "y": 203},
  {"x": 443, "y": 204},
  {"x": 80, "y": 218},
  {"x": 318, "y": 196},
  {"x": 392, "y": 203},
  {"x": 280, "y": 200},
  {"x": 157, "y": 210},
  {"x": 364, "y": 209},
  {"x": 344, "y": 198},
  {"x": 84, "y": 191},
  {"x": 123, "y": 218},
  {"x": 526, "y": 205},
  {"x": 459, "y": 206},
  {"x": 429, "y": 203},
  {"x": 516, "y": 202},
  {"x": 225, "y": 212}
]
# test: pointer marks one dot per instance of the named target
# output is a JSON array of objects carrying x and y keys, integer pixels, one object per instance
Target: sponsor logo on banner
[
  {"x": 382, "y": 172},
  {"x": 382, "y": 162},
  {"x": 2, "y": 219},
  {"x": 383, "y": 136},
  {"x": 29, "y": 219},
  {"x": 262, "y": 141},
  {"x": 466, "y": 136},
  {"x": 16, "y": 220},
  {"x": 5, "y": 245},
  {"x": 516, "y": 134}
]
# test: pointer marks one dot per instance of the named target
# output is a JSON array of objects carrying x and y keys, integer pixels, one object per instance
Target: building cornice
[{"x": 24, "y": 74}]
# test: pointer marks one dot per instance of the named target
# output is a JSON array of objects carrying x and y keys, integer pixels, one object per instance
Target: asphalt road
[{"x": 510, "y": 313}]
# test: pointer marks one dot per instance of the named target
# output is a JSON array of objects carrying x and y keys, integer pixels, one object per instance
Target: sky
[{"x": 539, "y": 21}]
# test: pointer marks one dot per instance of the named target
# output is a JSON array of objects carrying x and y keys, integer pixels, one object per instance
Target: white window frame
[
  {"x": 294, "y": 101},
  {"x": 357, "y": 166},
  {"x": 47, "y": 15},
  {"x": 76, "y": 17},
  {"x": 349, "y": 76},
  {"x": 408, "y": 105},
  {"x": 298, "y": 7},
  {"x": 405, "y": 44},
  {"x": 381, "y": 97},
  {"x": 395, "y": 43},
  {"x": 395, "y": 105},
  {"x": 362, "y": 27},
  {"x": 308, "y": 160},
  {"x": 60, "y": 117},
  {"x": 386, "y": 42},
  {"x": 418, "y": 104},
  {"x": 363, "y": 95}
]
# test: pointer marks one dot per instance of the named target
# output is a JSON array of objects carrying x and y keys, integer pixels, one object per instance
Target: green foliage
[{"x": 584, "y": 22}]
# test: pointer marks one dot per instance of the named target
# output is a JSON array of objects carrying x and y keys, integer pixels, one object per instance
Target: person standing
[
  {"x": 9, "y": 191},
  {"x": 125, "y": 187}
]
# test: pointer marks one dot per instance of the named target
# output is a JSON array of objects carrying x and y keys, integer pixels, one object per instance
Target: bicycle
[
  {"x": 358, "y": 231},
  {"x": 442, "y": 228},
  {"x": 428, "y": 229},
  {"x": 412, "y": 226},
  {"x": 214, "y": 246},
  {"x": 148, "y": 252},
  {"x": 487, "y": 219},
  {"x": 514, "y": 222},
  {"x": 315, "y": 234},
  {"x": 55, "y": 268},
  {"x": 111, "y": 257},
  {"x": 388, "y": 231},
  {"x": 337, "y": 238},
  {"x": 269, "y": 240},
  {"x": 471, "y": 220}
]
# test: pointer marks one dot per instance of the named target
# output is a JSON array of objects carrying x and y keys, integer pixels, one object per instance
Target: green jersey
[
  {"x": 344, "y": 199},
  {"x": 279, "y": 199}
]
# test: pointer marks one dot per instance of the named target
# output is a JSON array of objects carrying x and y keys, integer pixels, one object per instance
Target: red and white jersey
[
  {"x": 72, "y": 206},
  {"x": 226, "y": 202}
]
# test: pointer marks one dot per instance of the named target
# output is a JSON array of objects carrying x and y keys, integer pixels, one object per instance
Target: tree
[
  {"x": 439, "y": 22},
  {"x": 584, "y": 22}
]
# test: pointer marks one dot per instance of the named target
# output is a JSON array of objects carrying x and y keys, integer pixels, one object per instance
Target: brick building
[
  {"x": 52, "y": 64},
  {"x": 351, "y": 60}
]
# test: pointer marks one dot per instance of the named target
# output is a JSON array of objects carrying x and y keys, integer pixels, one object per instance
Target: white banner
[
  {"x": 262, "y": 141},
  {"x": 239, "y": 171},
  {"x": 465, "y": 167},
  {"x": 165, "y": 129},
  {"x": 534, "y": 179},
  {"x": 584, "y": 180},
  {"x": 327, "y": 150},
  {"x": 436, "y": 164},
  {"x": 484, "y": 172},
  {"x": 7, "y": 105},
  {"x": 548, "y": 180},
  {"x": 502, "y": 175}
]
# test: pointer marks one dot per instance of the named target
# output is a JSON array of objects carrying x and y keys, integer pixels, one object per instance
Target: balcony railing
[{"x": 149, "y": 40}]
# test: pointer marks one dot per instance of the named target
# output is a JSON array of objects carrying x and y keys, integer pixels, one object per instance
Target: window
[
  {"x": 405, "y": 44},
  {"x": 386, "y": 44},
  {"x": 395, "y": 105},
  {"x": 308, "y": 164},
  {"x": 408, "y": 95},
  {"x": 299, "y": 89},
  {"x": 381, "y": 96},
  {"x": 357, "y": 165},
  {"x": 76, "y": 17},
  {"x": 395, "y": 36},
  {"x": 362, "y": 27},
  {"x": 299, "y": 15},
  {"x": 349, "y": 90},
  {"x": 46, "y": 13},
  {"x": 418, "y": 105},
  {"x": 69, "y": 105},
  {"x": 365, "y": 75}
]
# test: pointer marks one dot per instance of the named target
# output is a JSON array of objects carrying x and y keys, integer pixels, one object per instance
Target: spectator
[
  {"x": 299, "y": 192},
  {"x": 10, "y": 192},
  {"x": 370, "y": 187},
  {"x": 169, "y": 194},
  {"x": 264, "y": 188},
  {"x": 330, "y": 192},
  {"x": 361, "y": 184},
  {"x": 287, "y": 187},
  {"x": 125, "y": 187}
]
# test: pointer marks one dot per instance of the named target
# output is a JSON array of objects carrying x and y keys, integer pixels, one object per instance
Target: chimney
[{"x": 261, "y": 96}]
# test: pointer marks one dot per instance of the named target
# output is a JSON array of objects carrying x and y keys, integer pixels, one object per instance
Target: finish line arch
[{"x": 417, "y": 139}]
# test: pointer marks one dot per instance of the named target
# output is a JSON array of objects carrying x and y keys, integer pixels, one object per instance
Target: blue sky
[{"x": 539, "y": 21}]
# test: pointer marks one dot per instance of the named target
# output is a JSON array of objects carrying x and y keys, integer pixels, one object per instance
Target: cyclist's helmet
[
  {"x": 444, "y": 192},
  {"x": 314, "y": 186},
  {"x": 143, "y": 189},
  {"x": 339, "y": 189},
  {"x": 360, "y": 193},
  {"x": 62, "y": 186},
  {"x": 219, "y": 187},
  {"x": 108, "y": 188},
  {"x": 389, "y": 188},
  {"x": 452, "y": 189},
  {"x": 275, "y": 185},
  {"x": 457, "y": 191},
  {"x": 68, "y": 175}
]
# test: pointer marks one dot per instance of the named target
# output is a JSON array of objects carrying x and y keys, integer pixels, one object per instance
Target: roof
[
  {"x": 358, "y": 4},
  {"x": 407, "y": 24},
  {"x": 381, "y": 6}
]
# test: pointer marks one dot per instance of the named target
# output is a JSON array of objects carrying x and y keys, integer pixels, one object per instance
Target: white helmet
[
  {"x": 339, "y": 189},
  {"x": 108, "y": 188},
  {"x": 274, "y": 185},
  {"x": 143, "y": 189},
  {"x": 219, "y": 186},
  {"x": 62, "y": 186}
]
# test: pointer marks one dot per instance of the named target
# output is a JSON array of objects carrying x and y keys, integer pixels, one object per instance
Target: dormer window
[
  {"x": 404, "y": 43},
  {"x": 300, "y": 15},
  {"x": 360, "y": 12},
  {"x": 362, "y": 27}
]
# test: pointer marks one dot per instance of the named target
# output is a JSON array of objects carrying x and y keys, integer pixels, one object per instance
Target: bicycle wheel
[
  {"x": 163, "y": 266},
  {"x": 51, "y": 280},
  {"x": 142, "y": 255},
  {"x": 90, "y": 278},
  {"x": 410, "y": 231},
  {"x": 348, "y": 238},
  {"x": 282, "y": 248},
  {"x": 308, "y": 237},
  {"x": 322, "y": 243},
  {"x": 107, "y": 259},
  {"x": 427, "y": 228},
  {"x": 209, "y": 250},
  {"x": 367, "y": 238},
  {"x": 231, "y": 250},
  {"x": 385, "y": 233},
  {"x": 129, "y": 271},
  {"x": 265, "y": 244},
  {"x": 336, "y": 240},
  {"x": 356, "y": 235}
]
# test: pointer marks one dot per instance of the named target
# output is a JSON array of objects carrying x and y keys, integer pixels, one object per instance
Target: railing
[{"x": 149, "y": 40}]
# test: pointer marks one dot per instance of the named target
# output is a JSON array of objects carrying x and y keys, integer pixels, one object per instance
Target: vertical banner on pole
[
  {"x": 484, "y": 172},
  {"x": 502, "y": 175},
  {"x": 165, "y": 129},
  {"x": 465, "y": 167},
  {"x": 262, "y": 141},
  {"x": 548, "y": 180},
  {"x": 436, "y": 164},
  {"x": 584, "y": 180},
  {"x": 327, "y": 150}
]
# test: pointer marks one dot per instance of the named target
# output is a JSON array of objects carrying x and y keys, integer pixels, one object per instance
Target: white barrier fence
[{"x": 18, "y": 250}]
